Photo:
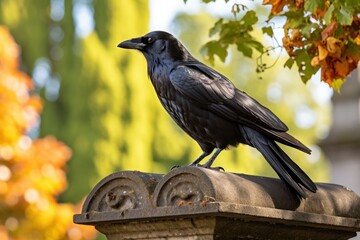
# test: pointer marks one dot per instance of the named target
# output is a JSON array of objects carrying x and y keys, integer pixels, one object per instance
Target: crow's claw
[
  {"x": 217, "y": 168},
  {"x": 174, "y": 167},
  {"x": 208, "y": 167}
]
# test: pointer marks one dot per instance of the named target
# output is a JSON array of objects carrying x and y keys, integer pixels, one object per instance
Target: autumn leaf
[
  {"x": 277, "y": 5},
  {"x": 315, "y": 61},
  {"x": 357, "y": 40},
  {"x": 337, "y": 84},
  {"x": 341, "y": 68},
  {"x": 328, "y": 31},
  {"x": 323, "y": 52},
  {"x": 334, "y": 46}
]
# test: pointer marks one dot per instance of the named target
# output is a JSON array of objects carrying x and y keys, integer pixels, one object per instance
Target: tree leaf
[
  {"x": 303, "y": 61},
  {"x": 216, "y": 28},
  {"x": 268, "y": 31},
  {"x": 214, "y": 48},
  {"x": 337, "y": 84},
  {"x": 245, "y": 49},
  {"x": 344, "y": 16},
  {"x": 307, "y": 30},
  {"x": 294, "y": 20},
  {"x": 289, "y": 63},
  {"x": 249, "y": 19},
  {"x": 313, "y": 5},
  {"x": 328, "y": 15},
  {"x": 255, "y": 44}
]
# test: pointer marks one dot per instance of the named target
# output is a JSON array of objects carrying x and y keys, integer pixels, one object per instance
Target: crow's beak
[{"x": 134, "y": 43}]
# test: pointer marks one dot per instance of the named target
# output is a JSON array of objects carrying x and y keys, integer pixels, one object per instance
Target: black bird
[{"x": 208, "y": 107}]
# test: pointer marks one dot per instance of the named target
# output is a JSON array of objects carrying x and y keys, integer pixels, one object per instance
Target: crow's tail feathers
[
  {"x": 287, "y": 170},
  {"x": 287, "y": 139}
]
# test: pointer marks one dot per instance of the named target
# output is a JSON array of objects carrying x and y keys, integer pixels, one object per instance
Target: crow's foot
[
  {"x": 208, "y": 167},
  {"x": 200, "y": 165},
  {"x": 174, "y": 167}
]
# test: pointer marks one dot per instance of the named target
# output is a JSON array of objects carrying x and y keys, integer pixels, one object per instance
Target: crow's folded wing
[{"x": 213, "y": 91}]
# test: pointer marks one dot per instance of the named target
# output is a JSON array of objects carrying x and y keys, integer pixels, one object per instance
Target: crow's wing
[{"x": 215, "y": 92}]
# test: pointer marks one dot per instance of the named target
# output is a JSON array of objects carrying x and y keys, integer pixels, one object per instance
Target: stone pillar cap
[{"x": 194, "y": 192}]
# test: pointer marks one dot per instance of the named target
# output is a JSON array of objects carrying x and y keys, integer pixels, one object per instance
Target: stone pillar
[
  {"x": 342, "y": 146},
  {"x": 198, "y": 203}
]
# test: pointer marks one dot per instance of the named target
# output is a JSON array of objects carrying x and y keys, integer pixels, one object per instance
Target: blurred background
[{"x": 75, "y": 108}]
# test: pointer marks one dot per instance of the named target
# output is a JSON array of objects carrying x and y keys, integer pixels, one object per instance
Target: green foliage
[
  {"x": 268, "y": 31},
  {"x": 97, "y": 112},
  {"x": 233, "y": 32},
  {"x": 339, "y": 10},
  {"x": 303, "y": 61},
  {"x": 311, "y": 21},
  {"x": 15, "y": 14}
]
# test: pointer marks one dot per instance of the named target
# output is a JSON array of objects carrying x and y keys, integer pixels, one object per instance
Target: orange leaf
[
  {"x": 277, "y": 5},
  {"x": 341, "y": 68},
  {"x": 327, "y": 73},
  {"x": 328, "y": 31}
]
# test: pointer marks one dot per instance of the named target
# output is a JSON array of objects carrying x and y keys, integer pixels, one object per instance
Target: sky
[{"x": 163, "y": 11}]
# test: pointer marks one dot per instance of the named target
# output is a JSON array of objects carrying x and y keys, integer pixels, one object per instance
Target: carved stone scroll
[
  {"x": 184, "y": 186},
  {"x": 122, "y": 191}
]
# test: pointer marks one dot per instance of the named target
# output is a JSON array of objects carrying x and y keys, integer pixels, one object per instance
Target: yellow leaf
[
  {"x": 315, "y": 61},
  {"x": 322, "y": 53},
  {"x": 334, "y": 46},
  {"x": 337, "y": 83},
  {"x": 357, "y": 40}
]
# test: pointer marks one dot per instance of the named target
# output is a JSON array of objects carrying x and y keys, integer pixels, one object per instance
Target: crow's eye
[{"x": 147, "y": 40}]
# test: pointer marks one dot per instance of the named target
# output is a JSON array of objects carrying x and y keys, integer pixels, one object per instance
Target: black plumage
[{"x": 208, "y": 107}]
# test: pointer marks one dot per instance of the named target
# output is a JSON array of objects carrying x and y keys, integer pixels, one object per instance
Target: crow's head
[{"x": 158, "y": 45}]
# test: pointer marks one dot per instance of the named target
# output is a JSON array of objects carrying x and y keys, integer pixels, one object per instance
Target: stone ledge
[{"x": 198, "y": 203}]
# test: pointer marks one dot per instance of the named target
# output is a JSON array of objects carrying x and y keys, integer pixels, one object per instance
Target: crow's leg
[
  {"x": 212, "y": 159},
  {"x": 196, "y": 162},
  {"x": 201, "y": 157}
]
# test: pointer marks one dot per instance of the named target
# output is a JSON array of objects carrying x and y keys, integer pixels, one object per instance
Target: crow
[{"x": 211, "y": 110}]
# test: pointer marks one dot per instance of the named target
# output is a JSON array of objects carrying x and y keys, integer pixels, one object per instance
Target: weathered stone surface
[
  {"x": 198, "y": 203},
  {"x": 195, "y": 185},
  {"x": 122, "y": 191}
]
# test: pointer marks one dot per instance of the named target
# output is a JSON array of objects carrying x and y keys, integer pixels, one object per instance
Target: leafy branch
[{"x": 318, "y": 34}]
